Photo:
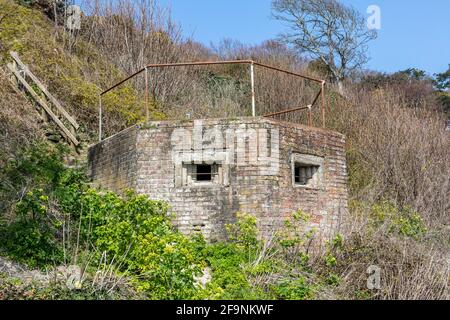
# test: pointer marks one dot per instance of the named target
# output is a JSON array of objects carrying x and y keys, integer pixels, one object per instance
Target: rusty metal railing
[{"x": 320, "y": 94}]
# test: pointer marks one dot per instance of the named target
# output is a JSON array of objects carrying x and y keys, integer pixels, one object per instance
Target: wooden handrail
[
  {"x": 52, "y": 99},
  {"x": 44, "y": 105}
]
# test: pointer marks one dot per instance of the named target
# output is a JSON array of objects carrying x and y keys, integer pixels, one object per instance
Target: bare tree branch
[{"x": 328, "y": 31}]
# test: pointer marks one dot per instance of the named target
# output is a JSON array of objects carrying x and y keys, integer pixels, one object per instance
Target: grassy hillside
[{"x": 74, "y": 73}]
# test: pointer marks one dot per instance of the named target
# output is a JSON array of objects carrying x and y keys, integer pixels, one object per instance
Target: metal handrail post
[
  {"x": 100, "y": 119},
  {"x": 252, "y": 80},
  {"x": 147, "y": 111},
  {"x": 322, "y": 92}
]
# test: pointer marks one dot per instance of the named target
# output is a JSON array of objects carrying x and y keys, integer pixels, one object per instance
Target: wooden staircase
[{"x": 50, "y": 109}]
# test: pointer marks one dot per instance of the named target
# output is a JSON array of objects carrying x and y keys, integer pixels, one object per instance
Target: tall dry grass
[{"x": 396, "y": 151}]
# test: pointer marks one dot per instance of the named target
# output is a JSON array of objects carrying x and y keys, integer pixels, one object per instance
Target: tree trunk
[
  {"x": 338, "y": 79},
  {"x": 340, "y": 85}
]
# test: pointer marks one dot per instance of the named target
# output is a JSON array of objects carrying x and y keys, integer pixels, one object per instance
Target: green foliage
[
  {"x": 363, "y": 295},
  {"x": 41, "y": 163},
  {"x": 31, "y": 238},
  {"x": 444, "y": 99},
  {"x": 403, "y": 221},
  {"x": 228, "y": 260},
  {"x": 412, "y": 73},
  {"x": 333, "y": 280},
  {"x": 137, "y": 232},
  {"x": 13, "y": 26},
  {"x": 293, "y": 235},
  {"x": 442, "y": 81},
  {"x": 329, "y": 258},
  {"x": 293, "y": 289},
  {"x": 125, "y": 101},
  {"x": 237, "y": 265},
  {"x": 244, "y": 233},
  {"x": 32, "y": 232},
  {"x": 410, "y": 224},
  {"x": 337, "y": 242}
]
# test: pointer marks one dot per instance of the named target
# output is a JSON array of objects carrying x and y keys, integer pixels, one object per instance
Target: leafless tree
[{"x": 326, "y": 30}]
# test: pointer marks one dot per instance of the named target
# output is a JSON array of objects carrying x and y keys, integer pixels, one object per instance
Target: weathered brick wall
[
  {"x": 326, "y": 204},
  {"x": 197, "y": 208},
  {"x": 112, "y": 162},
  {"x": 255, "y": 187}
]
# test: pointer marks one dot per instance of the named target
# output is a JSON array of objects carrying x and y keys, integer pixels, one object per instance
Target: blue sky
[{"x": 413, "y": 33}]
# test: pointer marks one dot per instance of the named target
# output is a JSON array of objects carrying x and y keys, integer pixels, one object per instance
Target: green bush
[
  {"x": 230, "y": 261},
  {"x": 39, "y": 165},
  {"x": 227, "y": 261},
  {"x": 31, "y": 238},
  {"x": 241, "y": 265},
  {"x": 244, "y": 234},
  {"x": 293, "y": 289},
  {"x": 137, "y": 233},
  {"x": 403, "y": 221},
  {"x": 30, "y": 232}
]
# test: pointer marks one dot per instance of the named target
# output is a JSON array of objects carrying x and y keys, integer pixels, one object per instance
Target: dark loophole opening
[
  {"x": 304, "y": 173},
  {"x": 204, "y": 172}
]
